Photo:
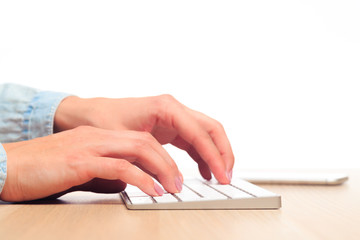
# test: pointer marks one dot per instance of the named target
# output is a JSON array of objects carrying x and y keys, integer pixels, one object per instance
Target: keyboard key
[
  {"x": 193, "y": 181},
  {"x": 187, "y": 195},
  {"x": 251, "y": 188},
  {"x": 133, "y": 191},
  {"x": 206, "y": 192},
  {"x": 230, "y": 191},
  {"x": 166, "y": 198},
  {"x": 141, "y": 200}
]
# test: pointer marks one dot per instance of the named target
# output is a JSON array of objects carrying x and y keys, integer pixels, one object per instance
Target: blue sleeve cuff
[
  {"x": 26, "y": 113},
  {"x": 39, "y": 116},
  {"x": 2, "y": 167}
]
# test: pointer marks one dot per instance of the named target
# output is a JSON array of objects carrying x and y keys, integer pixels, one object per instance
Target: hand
[
  {"x": 165, "y": 118},
  {"x": 87, "y": 158}
]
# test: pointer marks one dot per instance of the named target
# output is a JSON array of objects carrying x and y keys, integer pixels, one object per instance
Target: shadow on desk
[{"x": 75, "y": 198}]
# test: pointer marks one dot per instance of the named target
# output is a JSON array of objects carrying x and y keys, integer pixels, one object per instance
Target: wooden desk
[{"x": 308, "y": 212}]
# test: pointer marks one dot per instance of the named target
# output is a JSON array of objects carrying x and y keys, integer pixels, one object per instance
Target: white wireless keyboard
[{"x": 202, "y": 194}]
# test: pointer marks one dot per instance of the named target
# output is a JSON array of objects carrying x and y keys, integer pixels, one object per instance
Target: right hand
[
  {"x": 85, "y": 157},
  {"x": 168, "y": 120}
]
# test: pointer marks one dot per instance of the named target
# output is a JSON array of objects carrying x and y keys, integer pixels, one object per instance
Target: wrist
[{"x": 71, "y": 113}]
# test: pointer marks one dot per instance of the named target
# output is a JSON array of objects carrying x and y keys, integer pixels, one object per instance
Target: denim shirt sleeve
[
  {"x": 2, "y": 167},
  {"x": 25, "y": 113}
]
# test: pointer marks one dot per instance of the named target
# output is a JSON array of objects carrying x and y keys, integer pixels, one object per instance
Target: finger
[
  {"x": 219, "y": 137},
  {"x": 181, "y": 177},
  {"x": 195, "y": 134},
  {"x": 202, "y": 165},
  {"x": 121, "y": 169},
  {"x": 143, "y": 149}
]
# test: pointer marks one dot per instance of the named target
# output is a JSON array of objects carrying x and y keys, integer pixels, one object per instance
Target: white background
[{"x": 282, "y": 76}]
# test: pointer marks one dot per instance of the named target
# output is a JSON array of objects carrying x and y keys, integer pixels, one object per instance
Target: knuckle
[
  {"x": 143, "y": 142},
  {"x": 216, "y": 123},
  {"x": 146, "y": 136},
  {"x": 164, "y": 101},
  {"x": 164, "y": 107},
  {"x": 140, "y": 145},
  {"x": 167, "y": 98},
  {"x": 122, "y": 166},
  {"x": 219, "y": 125},
  {"x": 83, "y": 130},
  {"x": 79, "y": 163}
]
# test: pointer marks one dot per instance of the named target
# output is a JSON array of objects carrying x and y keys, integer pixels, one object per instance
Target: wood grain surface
[{"x": 308, "y": 212}]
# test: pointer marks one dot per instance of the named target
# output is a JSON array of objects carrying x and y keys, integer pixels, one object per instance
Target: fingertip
[
  {"x": 229, "y": 175},
  {"x": 158, "y": 189},
  {"x": 224, "y": 177},
  {"x": 178, "y": 183},
  {"x": 181, "y": 177}
]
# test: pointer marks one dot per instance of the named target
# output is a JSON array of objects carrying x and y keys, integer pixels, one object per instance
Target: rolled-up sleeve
[
  {"x": 25, "y": 113},
  {"x": 2, "y": 167}
]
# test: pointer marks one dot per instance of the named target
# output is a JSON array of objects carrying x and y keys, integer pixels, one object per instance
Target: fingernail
[
  {"x": 178, "y": 183},
  {"x": 158, "y": 189},
  {"x": 182, "y": 178},
  {"x": 229, "y": 174}
]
